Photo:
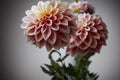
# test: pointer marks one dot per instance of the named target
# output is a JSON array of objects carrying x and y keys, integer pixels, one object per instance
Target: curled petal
[
  {"x": 68, "y": 11},
  {"x": 41, "y": 43},
  {"x": 30, "y": 31},
  {"x": 83, "y": 36},
  {"x": 99, "y": 27},
  {"x": 38, "y": 37},
  {"x": 87, "y": 28},
  {"x": 43, "y": 29},
  {"x": 38, "y": 30},
  {"x": 54, "y": 11},
  {"x": 52, "y": 38},
  {"x": 83, "y": 46},
  {"x": 30, "y": 38},
  {"x": 64, "y": 22},
  {"x": 60, "y": 16},
  {"x": 68, "y": 18},
  {"x": 93, "y": 29},
  {"x": 30, "y": 14},
  {"x": 23, "y": 26},
  {"x": 47, "y": 33},
  {"x": 55, "y": 27},
  {"x": 78, "y": 41},
  {"x": 97, "y": 21},
  {"x": 94, "y": 43},
  {"x": 57, "y": 22},
  {"x": 91, "y": 24},
  {"x": 96, "y": 35},
  {"x": 54, "y": 3},
  {"x": 88, "y": 40},
  {"x": 57, "y": 44},
  {"x": 64, "y": 37},
  {"x": 72, "y": 43},
  {"x": 64, "y": 29},
  {"x": 103, "y": 35},
  {"x": 40, "y": 4},
  {"x": 49, "y": 22},
  {"x": 48, "y": 46},
  {"x": 72, "y": 25},
  {"x": 62, "y": 6},
  {"x": 54, "y": 18},
  {"x": 27, "y": 19}
]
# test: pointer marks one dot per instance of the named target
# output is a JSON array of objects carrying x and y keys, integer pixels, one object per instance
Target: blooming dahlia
[
  {"x": 90, "y": 36},
  {"x": 82, "y": 7},
  {"x": 50, "y": 24}
]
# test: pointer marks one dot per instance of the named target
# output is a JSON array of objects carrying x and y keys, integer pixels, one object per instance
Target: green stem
[{"x": 79, "y": 71}]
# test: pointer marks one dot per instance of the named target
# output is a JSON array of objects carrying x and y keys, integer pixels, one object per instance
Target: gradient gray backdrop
[{"x": 21, "y": 60}]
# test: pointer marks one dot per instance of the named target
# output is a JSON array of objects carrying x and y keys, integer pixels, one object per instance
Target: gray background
[{"x": 21, "y": 60}]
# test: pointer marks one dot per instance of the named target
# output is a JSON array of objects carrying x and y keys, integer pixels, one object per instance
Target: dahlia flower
[
  {"x": 50, "y": 24},
  {"x": 90, "y": 36},
  {"x": 82, "y": 7}
]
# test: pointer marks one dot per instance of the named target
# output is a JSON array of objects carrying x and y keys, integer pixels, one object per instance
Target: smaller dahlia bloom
[
  {"x": 82, "y": 7},
  {"x": 49, "y": 24},
  {"x": 90, "y": 36}
]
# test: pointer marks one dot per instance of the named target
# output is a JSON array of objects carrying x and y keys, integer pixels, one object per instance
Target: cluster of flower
[{"x": 56, "y": 24}]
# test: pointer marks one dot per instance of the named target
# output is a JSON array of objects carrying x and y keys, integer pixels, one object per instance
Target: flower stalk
[{"x": 79, "y": 71}]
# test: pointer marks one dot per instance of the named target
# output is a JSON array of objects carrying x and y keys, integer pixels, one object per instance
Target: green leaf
[
  {"x": 46, "y": 71},
  {"x": 55, "y": 65},
  {"x": 50, "y": 67}
]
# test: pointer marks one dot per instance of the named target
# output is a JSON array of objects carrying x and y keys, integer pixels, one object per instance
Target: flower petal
[
  {"x": 99, "y": 27},
  {"x": 83, "y": 36},
  {"x": 30, "y": 38},
  {"x": 88, "y": 41},
  {"x": 94, "y": 43},
  {"x": 64, "y": 37},
  {"x": 95, "y": 35},
  {"x": 93, "y": 29},
  {"x": 60, "y": 16},
  {"x": 52, "y": 38},
  {"x": 55, "y": 27},
  {"x": 57, "y": 44},
  {"x": 83, "y": 46},
  {"x": 27, "y": 19},
  {"x": 64, "y": 22},
  {"x": 72, "y": 43},
  {"x": 30, "y": 31},
  {"x": 49, "y": 22},
  {"x": 38, "y": 37},
  {"x": 64, "y": 29},
  {"x": 78, "y": 41},
  {"x": 30, "y": 14},
  {"x": 47, "y": 33},
  {"x": 43, "y": 28},
  {"x": 54, "y": 11},
  {"x": 62, "y": 6},
  {"x": 41, "y": 43},
  {"x": 48, "y": 46}
]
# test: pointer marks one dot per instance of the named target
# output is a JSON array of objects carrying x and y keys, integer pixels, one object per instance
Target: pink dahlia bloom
[
  {"x": 50, "y": 24},
  {"x": 82, "y": 7},
  {"x": 90, "y": 36}
]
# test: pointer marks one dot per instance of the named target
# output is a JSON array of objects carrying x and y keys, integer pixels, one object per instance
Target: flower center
[{"x": 45, "y": 10}]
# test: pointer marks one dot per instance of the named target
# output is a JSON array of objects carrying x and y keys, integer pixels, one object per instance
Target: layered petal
[
  {"x": 89, "y": 37},
  {"x": 49, "y": 24}
]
